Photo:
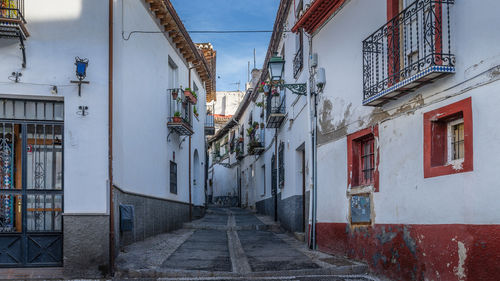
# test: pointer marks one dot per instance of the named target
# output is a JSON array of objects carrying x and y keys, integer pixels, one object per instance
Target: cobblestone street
[{"x": 232, "y": 244}]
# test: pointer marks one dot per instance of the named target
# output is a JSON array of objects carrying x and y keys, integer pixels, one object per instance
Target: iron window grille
[
  {"x": 367, "y": 161},
  {"x": 281, "y": 158},
  {"x": 173, "y": 177},
  {"x": 413, "y": 44}
]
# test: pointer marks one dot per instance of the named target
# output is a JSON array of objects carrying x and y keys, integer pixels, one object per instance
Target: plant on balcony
[
  {"x": 177, "y": 117},
  {"x": 195, "y": 111},
  {"x": 250, "y": 131},
  {"x": 259, "y": 104},
  {"x": 175, "y": 94},
  {"x": 190, "y": 95}
]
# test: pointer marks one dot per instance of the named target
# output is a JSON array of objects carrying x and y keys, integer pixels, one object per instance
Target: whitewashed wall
[
  {"x": 61, "y": 30},
  {"x": 405, "y": 196},
  {"x": 142, "y": 153}
]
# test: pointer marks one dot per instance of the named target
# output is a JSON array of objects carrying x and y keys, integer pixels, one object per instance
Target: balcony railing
[
  {"x": 12, "y": 22},
  {"x": 409, "y": 51},
  {"x": 257, "y": 142},
  {"x": 209, "y": 125},
  {"x": 298, "y": 62},
  {"x": 275, "y": 108},
  {"x": 180, "y": 116},
  {"x": 240, "y": 149}
]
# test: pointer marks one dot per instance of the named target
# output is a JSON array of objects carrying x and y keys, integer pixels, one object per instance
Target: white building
[
  {"x": 223, "y": 107},
  {"x": 66, "y": 155},
  {"x": 402, "y": 88}
]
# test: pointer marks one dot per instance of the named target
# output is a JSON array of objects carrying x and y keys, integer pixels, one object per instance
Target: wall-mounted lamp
[
  {"x": 81, "y": 73},
  {"x": 54, "y": 90},
  {"x": 276, "y": 66}
]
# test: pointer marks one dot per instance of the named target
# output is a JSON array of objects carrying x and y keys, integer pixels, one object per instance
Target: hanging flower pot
[{"x": 190, "y": 95}]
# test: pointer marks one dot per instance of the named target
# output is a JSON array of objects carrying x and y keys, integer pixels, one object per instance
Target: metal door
[{"x": 31, "y": 193}]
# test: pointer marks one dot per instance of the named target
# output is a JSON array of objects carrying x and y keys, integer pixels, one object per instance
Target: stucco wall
[
  {"x": 60, "y": 31},
  {"x": 142, "y": 153}
]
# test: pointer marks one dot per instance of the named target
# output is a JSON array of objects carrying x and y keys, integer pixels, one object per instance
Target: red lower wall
[{"x": 418, "y": 252}]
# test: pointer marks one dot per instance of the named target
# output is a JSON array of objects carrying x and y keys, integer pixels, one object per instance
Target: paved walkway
[{"x": 232, "y": 244}]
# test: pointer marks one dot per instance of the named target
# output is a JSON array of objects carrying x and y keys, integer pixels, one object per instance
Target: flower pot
[
  {"x": 175, "y": 94},
  {"x": 177, "y": 119},
  {"x": 190, "y": 97}
]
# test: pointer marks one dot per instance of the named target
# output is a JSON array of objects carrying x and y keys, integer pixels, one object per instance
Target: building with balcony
[
  {"x": 77, "y": 152},
  {"x": 401, "y": 184}
]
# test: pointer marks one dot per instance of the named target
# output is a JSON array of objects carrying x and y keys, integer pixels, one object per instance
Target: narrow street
[{"x": 232, "y": 244}]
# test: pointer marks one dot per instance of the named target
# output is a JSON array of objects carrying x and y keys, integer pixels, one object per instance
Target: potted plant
[
  {"x": 259, "y": 104},
  {"x": 255, "y": 125},
  {"x": 195, "y": 111},
  {"x": 190, "y": 95},
  {"x": 175, "y": 94},
  {"x": 262, "y": 125},
  {"x": 177, "y": 117}
]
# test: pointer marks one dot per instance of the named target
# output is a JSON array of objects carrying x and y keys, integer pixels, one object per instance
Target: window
[
  {"x": 362, "y": 153},
  {"x": 299, "y": 42},
  {"x": 263, "y": 171},
  {"x": 281, "y": 168},
  {"x": 448, "y": 140},
  {"x": 173, "y": 177},
  {"x": 273, "y": 175}
]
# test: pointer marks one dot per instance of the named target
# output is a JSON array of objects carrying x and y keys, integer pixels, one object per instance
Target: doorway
[{"x": 31, "y": 193}]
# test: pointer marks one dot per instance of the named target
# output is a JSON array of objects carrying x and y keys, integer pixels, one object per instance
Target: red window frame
[
  {"x": 356, "y": 161},
  {"x": 436, "y": 142}
]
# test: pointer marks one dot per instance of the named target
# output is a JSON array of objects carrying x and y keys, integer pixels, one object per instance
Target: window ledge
[{"x": 362, "y": 189}]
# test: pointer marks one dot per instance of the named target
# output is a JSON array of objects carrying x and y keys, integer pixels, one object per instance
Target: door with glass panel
[{"x": 31, "y": 185}]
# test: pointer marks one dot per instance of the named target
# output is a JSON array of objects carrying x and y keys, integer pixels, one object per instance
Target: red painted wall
[{"x": 418, "y": 252}]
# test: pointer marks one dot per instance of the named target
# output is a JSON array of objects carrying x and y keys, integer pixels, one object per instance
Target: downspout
[
  {"x": 110, "y": 142},
  {"x": 277, "y": 176},
  {"x": 190, "y": 202},
  {"x": 313, "y": 155}
]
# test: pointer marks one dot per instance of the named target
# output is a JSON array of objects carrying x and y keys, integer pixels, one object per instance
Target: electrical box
[
  {"x": 126, "y": 217},
  {"x": 360, "y": 209},
  {"x": 314, "y": 60},
  {"x": 320, "y": 78}
]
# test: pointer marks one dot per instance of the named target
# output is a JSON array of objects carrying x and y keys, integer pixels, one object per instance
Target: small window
[
  {"x": 173, "y": 177},
  {"x": 363, "y": 158},
  {"x": 281, "y": 162},
  {"x": 263, "y": 171},
  {"x": 456, "y": 140},
  {"x": 448, "y": 140},
  {"x": 367, "y": 161}
]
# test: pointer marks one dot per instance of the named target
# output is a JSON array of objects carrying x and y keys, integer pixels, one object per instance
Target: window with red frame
[
  {"x": 367, "y": 159},
  {"x": 362, "y": 158},
  {"x": 448, "y": 139}
]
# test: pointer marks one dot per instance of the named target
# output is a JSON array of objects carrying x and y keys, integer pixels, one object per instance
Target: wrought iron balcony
[
  {"x": 240, "y": 150},
  {"x": 180, "y": 113},
  {"x": 298, "y": 62},
  {"x": 411, "y": 50},
  {"x": 275, "y": 108},
  {"x": 257, "y": 142},
  {"x": 12, "y": 22},
  {"x": 209, "y": 125}
]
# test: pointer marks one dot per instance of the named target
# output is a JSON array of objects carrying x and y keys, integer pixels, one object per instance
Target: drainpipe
[
  {"x": 110, "y": 142},
  {"x": 277, "y": 176},
  {"x": 190, "y": 202},
  {"x": 312, "y": 128}
]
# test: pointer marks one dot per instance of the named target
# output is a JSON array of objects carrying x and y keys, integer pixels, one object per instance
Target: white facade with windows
[{"x": 55, "y": 142}]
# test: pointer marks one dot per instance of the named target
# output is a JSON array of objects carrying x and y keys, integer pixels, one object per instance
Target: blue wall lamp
[{"x": 81, "y": 73}]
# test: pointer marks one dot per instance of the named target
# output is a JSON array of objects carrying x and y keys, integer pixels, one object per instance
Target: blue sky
[{"x": 233, "y": 50}]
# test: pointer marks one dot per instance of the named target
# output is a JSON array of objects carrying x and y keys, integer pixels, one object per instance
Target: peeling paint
[
  {"x": 457, "y": 165},
  {"x": 410, "y": 106},
  {"x": 462, "y": 255},
  {"x": 328, "y": 131},
  {"x": 409, "y": 241}
]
